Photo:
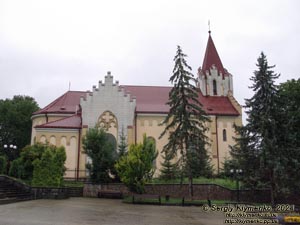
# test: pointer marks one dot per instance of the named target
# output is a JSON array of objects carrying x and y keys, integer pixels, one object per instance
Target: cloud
[{"x": 47, "y": 44}]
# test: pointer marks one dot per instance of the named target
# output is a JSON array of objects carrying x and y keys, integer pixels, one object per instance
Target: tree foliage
[
  {"x": 49, "y": 170},
  {"x": 261, "y": 110},
  {"x": 185, "y": 122},
  {"x": 267, "y": 148},
  {"x": 16, "y": 169},
  {"x": 245, "y": 157},
  {"x": 199, "y": 164},
  {"x": 122, "y": 147},
  {"x": 3, "y": 164},
  {"x": 169, "y": 169},
  {"x": 136, "y": 167},
  {"x": 288, "y": 135},
  {"x": 289, "y": 100},
  {"x": 23, "y": 166},
  {"x": 15, "y": 123},
  {"x": 101, "y": 153}
]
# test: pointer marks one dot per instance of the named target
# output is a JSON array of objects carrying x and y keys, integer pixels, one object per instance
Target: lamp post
[
  {"x": 236, "y": 174},
  {"x": 10, "y": 146},
  {"x": 10, "y": 151}
]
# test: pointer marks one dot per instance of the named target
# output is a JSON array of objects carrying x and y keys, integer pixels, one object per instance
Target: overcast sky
[{"x": 44, "y": 45}]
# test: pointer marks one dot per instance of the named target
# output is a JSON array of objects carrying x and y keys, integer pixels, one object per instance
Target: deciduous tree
[
  {"x": 15, "y": 123},
  {"x": 136, "y": 167},
  {"x": 101, "y": 153},
  {"x": 49, "y": 170}
]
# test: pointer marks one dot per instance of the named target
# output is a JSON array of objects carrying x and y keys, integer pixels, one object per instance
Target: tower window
[
  {"x": 215, "y": 87},
  {"x": 224, "y": 135}
]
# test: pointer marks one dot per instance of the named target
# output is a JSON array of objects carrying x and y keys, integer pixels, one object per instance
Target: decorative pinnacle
[{"x": 209, "y": 31}]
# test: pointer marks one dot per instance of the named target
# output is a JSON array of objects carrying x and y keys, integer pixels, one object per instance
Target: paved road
[{"x": 92, "y": 211}]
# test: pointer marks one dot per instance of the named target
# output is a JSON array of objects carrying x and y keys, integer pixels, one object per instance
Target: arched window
[
  {"x": 107, "y": 120},
  {"x": 215, "y": 87},
  {"x": 224, "y": 135},
  {"x": 43, "y": 139},
  {"x": 53, "y": 140}
]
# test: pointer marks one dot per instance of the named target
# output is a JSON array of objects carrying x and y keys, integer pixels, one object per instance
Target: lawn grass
[{"x": 227, "y": 183}]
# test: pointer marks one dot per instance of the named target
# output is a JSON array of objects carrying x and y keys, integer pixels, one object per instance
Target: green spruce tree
[
  {"x": 245, "y": 157},
  {"x": 122, "y": 147},
  {"x": 261, "y": 111},
  {"x": 185, "y": 122},
  {"x": 169, "y": 170}
]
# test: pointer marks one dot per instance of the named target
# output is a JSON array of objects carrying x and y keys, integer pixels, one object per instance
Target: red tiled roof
[
  {"x": 149, "y": 99},
  {"x": 217, "y": 105},
  {"x": 211, "y": 57},
  {"x": 68, "y": 103},
  {"x": 72, "y": 122},
  {"x": 152, "y": 99}
]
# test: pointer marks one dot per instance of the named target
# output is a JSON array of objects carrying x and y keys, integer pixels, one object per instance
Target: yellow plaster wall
[
  {"x": 149, "y": 125},
  {"x": 67, "y": 139},
  {"x": 227, "y": 123},
  {"x": 145, "y": 124},
  {"x": 36, "y": 121},
  {"x": 82, "y": 159},
  {"x": 42, "y": 119},
  {"x": 130, "y": 135}
]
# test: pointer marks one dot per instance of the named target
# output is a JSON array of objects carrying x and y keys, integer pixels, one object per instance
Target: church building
[{"x": 137, "y": 110}]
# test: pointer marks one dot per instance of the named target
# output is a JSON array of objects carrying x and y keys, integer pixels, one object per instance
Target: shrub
[
  {"x": 49, "y": 170},
  {"x": 16, "y": 169},
  {"x": 136, "y": 167}
]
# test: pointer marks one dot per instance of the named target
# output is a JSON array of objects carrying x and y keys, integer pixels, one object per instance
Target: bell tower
[{"x": 213, "y": 78}]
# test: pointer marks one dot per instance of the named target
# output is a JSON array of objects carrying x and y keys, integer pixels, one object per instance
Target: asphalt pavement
[{"x": 90, "y": 211}]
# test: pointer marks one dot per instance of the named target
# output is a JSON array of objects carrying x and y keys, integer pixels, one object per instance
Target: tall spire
[{"x": 211, "y": 57}]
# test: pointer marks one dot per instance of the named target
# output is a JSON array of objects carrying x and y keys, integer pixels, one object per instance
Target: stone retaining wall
[
  {"x": 91, "y": 190},
  {"x": 56, "y": 193},
  {"x": 201, "y": 191},
  {"x": 75, "y": 191},
  {"x": 49, "y": 193}
]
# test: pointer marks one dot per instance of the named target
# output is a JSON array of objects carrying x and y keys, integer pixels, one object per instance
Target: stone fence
[
  {"x": 201, "y": 191},
  {"x": 56, "y": 193},
  {"x": 45, "y": 192}
]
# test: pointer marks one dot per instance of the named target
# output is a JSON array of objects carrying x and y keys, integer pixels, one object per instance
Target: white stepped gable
[{"x": 108, "y": 96}]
